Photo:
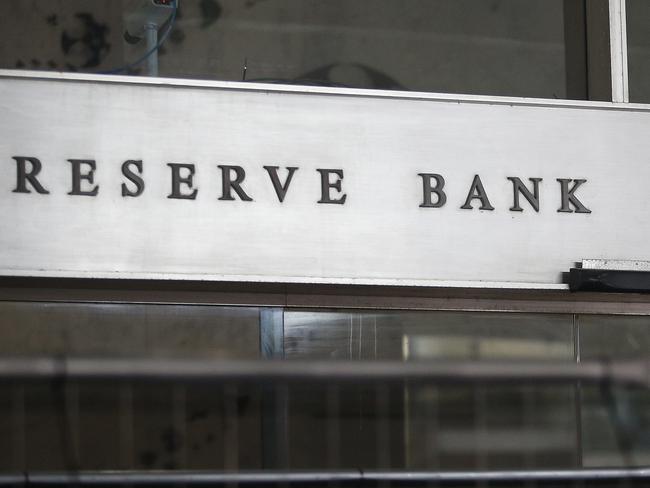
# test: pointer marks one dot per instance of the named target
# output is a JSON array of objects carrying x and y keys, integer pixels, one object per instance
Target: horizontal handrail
[
  {"x": 631, "y": 373},
  {"x": 350, "y": 477}
]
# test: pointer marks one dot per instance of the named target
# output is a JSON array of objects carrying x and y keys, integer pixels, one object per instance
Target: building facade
[{"x": 300, "y": 242}]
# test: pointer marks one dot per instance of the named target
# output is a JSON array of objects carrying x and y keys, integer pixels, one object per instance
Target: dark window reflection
[
  {"x": 497, "y": 47},
  {"x": 638, "y": 48},
  {"x": 128, "y": 330},
  {"x": 616, "y": 420},
  {"x": 453, "y": 427},
  {"x": 230, "y": 425}
]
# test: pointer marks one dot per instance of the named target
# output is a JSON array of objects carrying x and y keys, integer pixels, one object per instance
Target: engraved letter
[
  {"x": 519, "y": 187},
  {"x": 280, "y": 189},
  {"x": 568, "y": 196},
  {"x": 428, "y": 190},
  {"x": 326, "y": 186},
  {"x": 228, "y": 184},
  {"x": 23, "y": 176},
  {"x": 178, "y": 180},
  {"x": 133, "y": 178},
  {"x": 78, "y": 176},
  {"x": 477, "y": 191}
]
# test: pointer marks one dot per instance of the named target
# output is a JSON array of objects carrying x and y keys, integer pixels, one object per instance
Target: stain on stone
[
  {"x": 20, "y": 64},
  {"x": 52, "y": 20},
  {"x": 148, "y": 458},
  {"x": 210, "y": 12},
  {"x": 35, "y": 62},
  {"x": 93, "y": 40},
  {"x": 52, "y": 64}
]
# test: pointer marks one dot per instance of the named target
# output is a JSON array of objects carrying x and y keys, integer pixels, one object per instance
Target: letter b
[{"x": 428, "y": 189}]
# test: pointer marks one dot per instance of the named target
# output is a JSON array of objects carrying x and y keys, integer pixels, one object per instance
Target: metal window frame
[
  {"x": 618, "y": 51},
  {"x": 304, "y": 296}
]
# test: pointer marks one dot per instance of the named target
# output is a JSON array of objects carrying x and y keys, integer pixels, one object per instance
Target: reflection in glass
[
  {"x": 615, "y": 420},
  {"x": 497, "y": 47},
  {"x": 451, "y": 426},
  {"x": 638, "y": 49}
]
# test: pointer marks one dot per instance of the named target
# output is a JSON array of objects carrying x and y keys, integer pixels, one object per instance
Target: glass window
[
  {"x": 119, "y": 425},
  {"x": 442, "y": 427},
  {"x": 230, "y": 425},
  {"x": 616, "y": 420},
  {"x": 128, "y": 330},
  {"x": 638, "y": 50},
  {"x": 427, "y": 335},
  {"x": 495, "y": 47}
]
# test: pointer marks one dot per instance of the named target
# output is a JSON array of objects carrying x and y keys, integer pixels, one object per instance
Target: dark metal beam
[{"x": 608, "y": 280}]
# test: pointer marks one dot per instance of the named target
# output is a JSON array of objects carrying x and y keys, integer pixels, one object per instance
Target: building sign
[{"x": 219, "y": 181}]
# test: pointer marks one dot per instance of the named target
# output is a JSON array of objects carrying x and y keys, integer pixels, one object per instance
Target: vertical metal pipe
[
  {"x": 272, "y": 333},
  {"x": 151, "y": 35},
  {"x": 578, "y": 393},
  {"x": 274, "y": 400}
]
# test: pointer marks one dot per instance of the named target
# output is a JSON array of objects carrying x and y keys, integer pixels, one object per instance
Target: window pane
[
  {"x": 638, "y": 49},
  {"x": 427, "y": 335},
  {"x": 128, "y": 330},
  {"x": 616, "y": 420},
  {"x": 448, "y": 427},
  {"x": 98, "y": 425},
  {"x": 496, "y": 47}
]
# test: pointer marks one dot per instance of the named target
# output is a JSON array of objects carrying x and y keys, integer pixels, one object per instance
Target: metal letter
[
  {"x": 77, "y": 177},
  {"x": 519, "y": 187},
  {"x": 477, "y": 191},
  {"x": 228, "y": 184},
  {"x": 568, "y": 196},
  {"x": 133, "y": 178},
  {"x": 178, "y": 180},
  {"x": 22, "y": 176},
  {"x": 326, "y": 185},
  {"x": 428, "y": 190},
  {"x": 280, "y": 190}
]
